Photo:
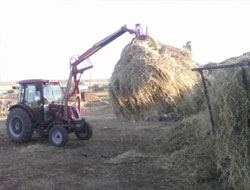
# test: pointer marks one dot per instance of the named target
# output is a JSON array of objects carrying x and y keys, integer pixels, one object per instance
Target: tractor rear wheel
[
  {"x": 58, "y": 136},
  {"x": 84, "y": 132},
  {"x": 19, "y": 125}
]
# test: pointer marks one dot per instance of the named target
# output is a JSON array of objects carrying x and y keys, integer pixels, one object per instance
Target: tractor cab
[
  {"x": 39, "y": 92},
  {"x": 36, "y": 95}
]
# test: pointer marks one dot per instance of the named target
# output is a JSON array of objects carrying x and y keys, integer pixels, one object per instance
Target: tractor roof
[{"x": 29, "y": 81}]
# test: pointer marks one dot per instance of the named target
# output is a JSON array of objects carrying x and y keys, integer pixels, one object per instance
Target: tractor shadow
[{"x": 42, "y": 143}]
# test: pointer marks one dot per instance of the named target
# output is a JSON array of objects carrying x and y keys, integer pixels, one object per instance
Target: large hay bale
[
  {"x": 145, "y": 75},
  {"x": 230, "y": 102}
]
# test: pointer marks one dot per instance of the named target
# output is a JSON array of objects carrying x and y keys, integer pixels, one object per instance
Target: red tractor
[{"x": 43, "y": 106}]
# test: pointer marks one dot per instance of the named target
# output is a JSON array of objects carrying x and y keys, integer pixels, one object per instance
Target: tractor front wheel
[
  {"x": 19, "y": 125},
  {"x": 58, "y": 136},
  {"x": 84, "y": 132}
]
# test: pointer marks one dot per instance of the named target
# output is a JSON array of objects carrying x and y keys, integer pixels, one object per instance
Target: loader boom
[{"x": 74, "y": 71}]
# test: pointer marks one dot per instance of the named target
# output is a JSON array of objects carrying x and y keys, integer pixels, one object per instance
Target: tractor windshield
[{"x": 52, "y": 93}]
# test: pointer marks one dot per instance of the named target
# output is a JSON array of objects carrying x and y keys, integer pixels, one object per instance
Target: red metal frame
[{"x": 75, "y": 71}]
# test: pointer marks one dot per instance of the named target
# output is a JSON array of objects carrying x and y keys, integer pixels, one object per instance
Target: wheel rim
[
  {"x": 57, "y": 137},
  {"x": 16, "y": 127}
]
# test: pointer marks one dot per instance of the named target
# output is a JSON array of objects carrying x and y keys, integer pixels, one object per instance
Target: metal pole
[
  {"x": 246, "y": 87},
  {"x": 244, "y": 79},
  {"x": 90, "y": 83},
  {"x": 67, "y": 95},
  {"x": 208, "y": 101},
  {"x": 240, "y": 64}
]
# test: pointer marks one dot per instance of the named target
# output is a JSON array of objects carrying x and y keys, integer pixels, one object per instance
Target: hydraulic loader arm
[{"x": 97, "y": 46}]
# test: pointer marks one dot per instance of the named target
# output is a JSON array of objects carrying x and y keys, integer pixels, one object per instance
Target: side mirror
[{"x": 15, "y": 87}]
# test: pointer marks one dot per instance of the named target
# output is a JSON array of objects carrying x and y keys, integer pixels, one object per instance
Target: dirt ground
[{"x": 120, "y": 155}]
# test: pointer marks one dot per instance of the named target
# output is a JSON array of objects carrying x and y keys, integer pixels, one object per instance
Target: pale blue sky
[{"x": 38, "y": 37}]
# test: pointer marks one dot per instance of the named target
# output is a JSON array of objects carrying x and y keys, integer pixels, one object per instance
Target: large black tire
[
  {"x": 19, "y": 125},
  {"x": 58, "y": 135},
  {"x": 84, "y": 132}
]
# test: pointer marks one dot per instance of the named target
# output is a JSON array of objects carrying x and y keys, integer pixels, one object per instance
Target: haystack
[
  {"x": 191, "y": 148},
  {"x": 149, "y": 73},
  {"x": 224, "y": 156},
  {"x": 230, "y": 99}
]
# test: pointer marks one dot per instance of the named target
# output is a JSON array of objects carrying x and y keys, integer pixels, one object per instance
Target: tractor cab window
[
  {"x": 32, "y": 95},
  {"x": 52, "y": 93}
]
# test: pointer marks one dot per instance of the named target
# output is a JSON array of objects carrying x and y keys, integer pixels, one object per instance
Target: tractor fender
[{"x": 25, "y": 108}]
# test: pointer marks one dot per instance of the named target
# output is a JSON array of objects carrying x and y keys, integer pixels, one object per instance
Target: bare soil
[{"x": 120, "y": 155}]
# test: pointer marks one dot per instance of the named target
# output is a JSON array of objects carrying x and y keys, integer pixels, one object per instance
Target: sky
[{"x": 38, "y": 37}]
